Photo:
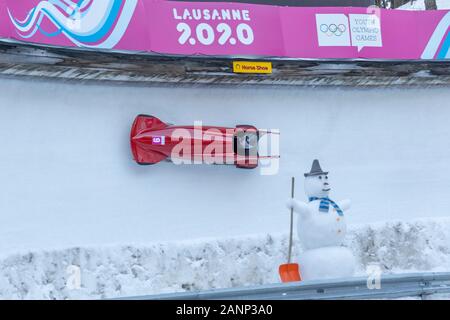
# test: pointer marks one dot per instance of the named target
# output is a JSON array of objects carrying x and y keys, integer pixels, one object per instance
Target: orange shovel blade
[{"x": 289, "y": 272}]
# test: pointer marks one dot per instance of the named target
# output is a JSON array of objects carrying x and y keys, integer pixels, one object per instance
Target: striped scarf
[{"x": 324, "y": 205}]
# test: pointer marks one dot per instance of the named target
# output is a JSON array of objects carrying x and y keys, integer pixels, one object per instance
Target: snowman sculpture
[{"x": 321, "y": 230}]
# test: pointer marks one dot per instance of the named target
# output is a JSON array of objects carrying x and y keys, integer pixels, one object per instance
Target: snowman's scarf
[{"x": 324, "y": 205}]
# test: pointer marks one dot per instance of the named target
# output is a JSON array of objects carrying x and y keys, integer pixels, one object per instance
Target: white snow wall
[
  {"x": 130, "y": 270},
  {"x": 67, "y": 177}
]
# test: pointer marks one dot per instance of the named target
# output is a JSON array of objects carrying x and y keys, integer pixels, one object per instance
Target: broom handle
[{"x": 292, "y": 222}]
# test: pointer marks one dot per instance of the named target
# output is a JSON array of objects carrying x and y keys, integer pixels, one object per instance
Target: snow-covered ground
[
  {"x": 128, "y": 270},
  {"x": 68, "y": 181}
]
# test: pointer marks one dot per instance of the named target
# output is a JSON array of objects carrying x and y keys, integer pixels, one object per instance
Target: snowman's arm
[
  {"x": 299, "y": 207},
  {"x": 344, "y": 204}
]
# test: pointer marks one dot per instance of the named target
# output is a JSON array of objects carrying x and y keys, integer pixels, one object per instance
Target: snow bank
[
  {"x": 107, "y": 272},
  {"x": 419, "y": 245},
  {"x": 142, "y": 269}
]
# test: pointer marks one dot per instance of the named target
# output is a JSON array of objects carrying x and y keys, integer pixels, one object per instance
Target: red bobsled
[{"x": 153, "y": 141}]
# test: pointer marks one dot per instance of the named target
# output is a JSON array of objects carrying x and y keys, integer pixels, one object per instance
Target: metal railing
[{"x": 391, "y": 286}]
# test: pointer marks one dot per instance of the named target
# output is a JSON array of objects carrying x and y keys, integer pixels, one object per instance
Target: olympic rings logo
[{"x": 333, "y": 29}]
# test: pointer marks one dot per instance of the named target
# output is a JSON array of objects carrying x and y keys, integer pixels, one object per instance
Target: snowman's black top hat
[{"x": 315, "y": 169}]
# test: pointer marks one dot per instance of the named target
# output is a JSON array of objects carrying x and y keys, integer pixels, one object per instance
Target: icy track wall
[
  {"x": 120, "y": 271},
  {"x": 228, "y": 29},
  {"x": 68, "y": 177}
]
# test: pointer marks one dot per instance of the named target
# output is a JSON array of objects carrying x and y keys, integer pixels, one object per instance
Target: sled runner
[{"x": 153, "y": 141}]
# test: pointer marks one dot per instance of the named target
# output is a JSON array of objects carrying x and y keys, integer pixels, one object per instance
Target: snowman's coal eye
[
  {"x": 320, "y": 177},
  {"x": 326, "y": 177}
]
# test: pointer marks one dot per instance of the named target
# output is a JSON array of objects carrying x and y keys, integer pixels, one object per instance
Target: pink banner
[{"x": 228, "y": 29}]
